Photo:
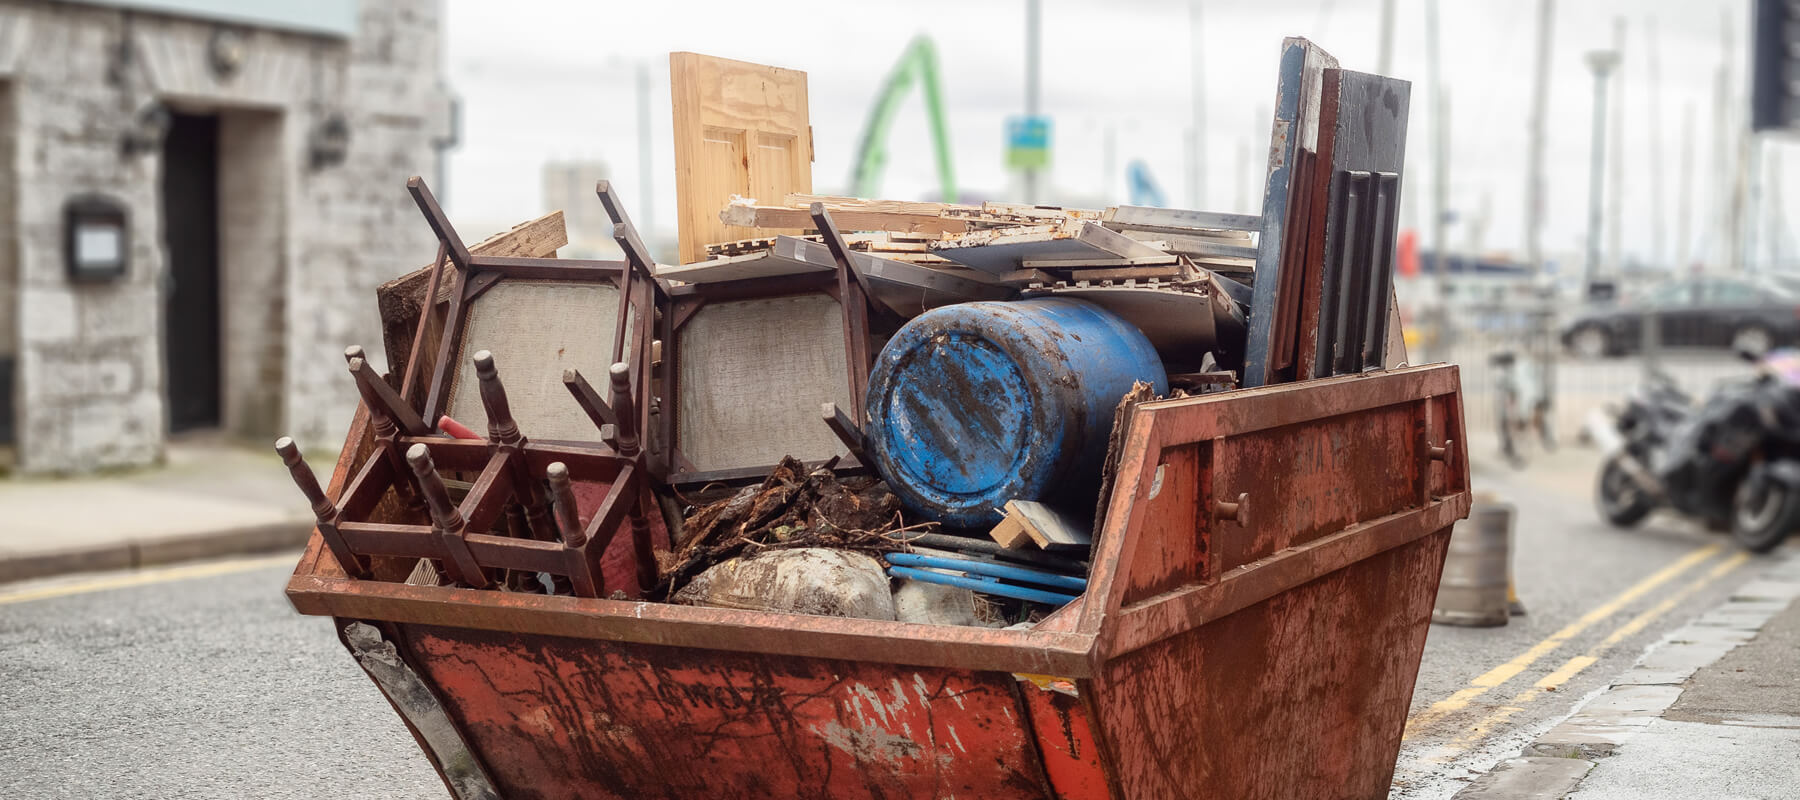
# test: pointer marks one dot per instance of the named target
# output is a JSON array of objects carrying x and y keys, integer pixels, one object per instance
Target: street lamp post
[{"x": 1602, "y": 62}]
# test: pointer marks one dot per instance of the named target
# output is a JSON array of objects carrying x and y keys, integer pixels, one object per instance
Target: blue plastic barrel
[{"x": 974, "y": 404}]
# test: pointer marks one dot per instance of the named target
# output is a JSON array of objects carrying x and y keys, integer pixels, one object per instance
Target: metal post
[
  {"x": 1658, "y": 197},
  {"x": 1534, "y": 170},
  {"x": 1438, "y": 313},
  {"x": 1197, "y": 84},
  {"x": 646, "y": 210},
  {"x": 1384, "y": 63},
  {"x": 1033, "y": 32},
  {"x": 1602, "y": 63},
  {"x": 1615, "y": 190}
]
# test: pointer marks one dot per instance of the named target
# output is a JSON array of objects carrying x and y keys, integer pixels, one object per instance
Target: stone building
[{"x": 197, "y": 200}]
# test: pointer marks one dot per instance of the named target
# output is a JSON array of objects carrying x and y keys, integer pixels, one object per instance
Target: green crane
[{"x": 918, "y": 62}]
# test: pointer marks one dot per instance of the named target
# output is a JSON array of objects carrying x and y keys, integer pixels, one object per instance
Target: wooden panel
[{"x": 740, "y": 129}]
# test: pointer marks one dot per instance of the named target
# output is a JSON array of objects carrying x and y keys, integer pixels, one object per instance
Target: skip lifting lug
[{"x": 1237, "y": 511}]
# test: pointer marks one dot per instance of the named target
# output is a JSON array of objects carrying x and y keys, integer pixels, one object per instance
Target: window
[
  {"x": 1732, "y": 293},
  {"x": 1668, "y": 295}
]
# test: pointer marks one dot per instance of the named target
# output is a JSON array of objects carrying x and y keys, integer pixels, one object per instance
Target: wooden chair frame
[
  {"x": 546, "y": 536},
  {"x": 641, "y": 294},
  {"x": 843, "y": 284}
]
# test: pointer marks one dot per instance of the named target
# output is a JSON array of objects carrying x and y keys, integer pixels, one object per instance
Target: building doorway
[{"x": 191, "y": 324}]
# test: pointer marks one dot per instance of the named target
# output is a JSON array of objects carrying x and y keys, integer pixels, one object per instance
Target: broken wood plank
[
  {"x": 1010, "y": 534},
  {"x": 1026, "y": 277},
  {"x": 1146, "y": 216},
  {"x": 836, "y": 204},
  {"x": 796, "y": 219},
  {"x": 1047, "y": 527},
  {"x": 1006, "y": 250},
  {"x": 1105, "y": 263},
  {"x": 1026, "y": 211},
  {"x": 740, "y": 129}
]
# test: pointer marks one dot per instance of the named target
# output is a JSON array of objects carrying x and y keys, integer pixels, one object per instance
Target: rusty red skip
[{"x": 1262, "y": 649}]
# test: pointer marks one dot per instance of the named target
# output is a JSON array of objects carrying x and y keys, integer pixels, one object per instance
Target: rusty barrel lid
[{"x": 974, "y": 404}]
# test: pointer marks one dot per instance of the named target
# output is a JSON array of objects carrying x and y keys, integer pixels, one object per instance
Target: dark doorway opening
[{"x": 190, "y": 212}]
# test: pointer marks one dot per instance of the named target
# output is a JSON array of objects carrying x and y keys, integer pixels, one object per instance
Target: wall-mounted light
[
  {"x": 148, "y": 127},
  {"x": 329, "y": 141},
  {"x": 96, "y": 238}
]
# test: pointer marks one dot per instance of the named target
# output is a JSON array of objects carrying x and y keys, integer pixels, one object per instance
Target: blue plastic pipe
[
  {"x": 991, "y": 569},
  {"x": 984, "y": 587}
]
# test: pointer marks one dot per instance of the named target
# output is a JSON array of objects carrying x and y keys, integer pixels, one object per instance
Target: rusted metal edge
[
  {"x": 1038, "y": 652},
  {"x": 1131, "y": 485},
  {"x": 413, "y": 699},
  {"x": 1201, "y": 418},
  {"x": 1191, "y": 421},
  {"x": 1172, "y": 613}
]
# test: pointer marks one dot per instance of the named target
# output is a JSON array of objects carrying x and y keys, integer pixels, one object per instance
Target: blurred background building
[{"x": 197, "y": 198}]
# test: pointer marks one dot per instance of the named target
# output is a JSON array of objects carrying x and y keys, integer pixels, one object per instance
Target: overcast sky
[{"x": 543, "y": 80}]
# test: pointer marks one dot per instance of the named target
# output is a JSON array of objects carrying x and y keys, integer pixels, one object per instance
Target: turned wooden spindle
[
  {"x": 624, "y": 410},
  {"x": 446, "y": 520},
  {"x": 383, "y": 422},
  {"x": 562, "y": 491},
  {"x": 502, "y": 429},
  {"x": 388, "y": 417},
  {"x": 305, "y": 479},
  {"x": 324, "y": 511},
  {"x": 444, "y": 516}
]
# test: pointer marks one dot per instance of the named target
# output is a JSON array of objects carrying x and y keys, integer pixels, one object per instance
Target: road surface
[{"x": 199, "y": 681}]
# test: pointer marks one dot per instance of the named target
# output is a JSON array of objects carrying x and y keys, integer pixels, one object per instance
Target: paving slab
[
  {"x": 1691, "y": 760},
  {"x": 209, "y": 499},
  {"x": 1527, "y": 778}
]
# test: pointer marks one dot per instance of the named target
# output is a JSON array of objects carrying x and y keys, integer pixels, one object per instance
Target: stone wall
[
  {"x": 9, "y": 243},
  {"x": 299, "y": 261}
]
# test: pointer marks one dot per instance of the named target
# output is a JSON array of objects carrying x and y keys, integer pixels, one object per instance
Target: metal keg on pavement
[{"x": 1476, "y": 585}]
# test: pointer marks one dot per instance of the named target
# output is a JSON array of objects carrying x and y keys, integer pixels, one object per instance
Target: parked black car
[{"x": 1753, "y": 315}]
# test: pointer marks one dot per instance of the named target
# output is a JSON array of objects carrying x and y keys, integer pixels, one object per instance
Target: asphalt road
[
  {"x": 202, "y": 682},
  {"x": 203, "y": 687}
]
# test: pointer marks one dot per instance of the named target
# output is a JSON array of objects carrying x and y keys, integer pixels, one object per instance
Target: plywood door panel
[{"x": 740, "y": 129}]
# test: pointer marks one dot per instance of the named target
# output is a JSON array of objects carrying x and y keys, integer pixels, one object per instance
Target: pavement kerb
[
  {"x": 1555, "y": 764},
  {"x": 134, "y": 553}
]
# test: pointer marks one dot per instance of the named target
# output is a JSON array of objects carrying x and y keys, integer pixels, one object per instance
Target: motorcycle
[{"x": 1732, "y": 463}]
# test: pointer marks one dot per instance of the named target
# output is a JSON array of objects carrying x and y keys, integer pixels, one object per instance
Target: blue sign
[{"x": 1028, "y": 142}]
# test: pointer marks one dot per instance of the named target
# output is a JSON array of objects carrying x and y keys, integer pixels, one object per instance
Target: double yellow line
[
  {"x": 145, "y": 577},
  {"x": 1499, "y": 675}
]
